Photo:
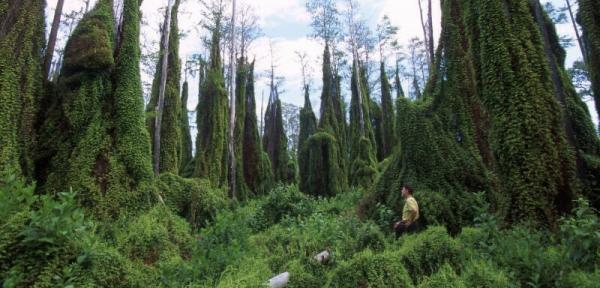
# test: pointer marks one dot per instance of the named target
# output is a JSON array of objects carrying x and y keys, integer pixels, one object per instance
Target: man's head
[{"x": 407, "y": 191}]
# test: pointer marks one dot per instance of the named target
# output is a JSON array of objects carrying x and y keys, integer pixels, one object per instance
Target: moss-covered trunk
[
  {"x": 170, "y": 130},
  {"x": 22, "y": 40}
]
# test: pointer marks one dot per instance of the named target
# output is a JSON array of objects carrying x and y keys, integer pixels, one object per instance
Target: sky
[{"x": 286, "y": 24}]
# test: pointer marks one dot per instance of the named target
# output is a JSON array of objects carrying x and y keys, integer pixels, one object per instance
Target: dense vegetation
[{"x": 499, "y": 146}]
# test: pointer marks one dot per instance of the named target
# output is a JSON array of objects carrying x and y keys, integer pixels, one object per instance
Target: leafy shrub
[
  {"x": 481, "y": 273},
  {"x": 580, "y": 279},
  {"x": 39, "y": 239},
  {"x": 528, "y": 256},
  {"x": 385, "y": 217},
  {"x": 424, "y": 253},
  {"x": 581, "y": 237},
  {"x": 367, "y": 269},
  {"x": 153, "y": 236},
  {"x": 297, "y": 238},
  {"x": 194, "y": 199},
  {"x": 224, "y": 242},
  {"x": 248, "y": 272},
  {"x": 284, "y": 201},
  {"x": 445, "y": 277},
  {"x": 14, "y": 196},
  {"x": 306, "y": 274}
]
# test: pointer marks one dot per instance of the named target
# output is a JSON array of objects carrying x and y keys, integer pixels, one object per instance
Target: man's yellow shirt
[{"x": 410, "y": 205}]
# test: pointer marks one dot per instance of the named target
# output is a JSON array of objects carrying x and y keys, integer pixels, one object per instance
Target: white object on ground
[
  {"x": 280, "y": 280},
  {"x": 322, "y": 257}
]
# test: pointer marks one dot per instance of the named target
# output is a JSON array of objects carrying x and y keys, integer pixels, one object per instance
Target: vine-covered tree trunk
[
  {"x": 164, "y": 106},
  {"x": 186, "y": 137},
  {"x": 361, "y": 135},
  {"x": 256, "y": 164},
  {"x": 589, "y": 18},
  {"x": 579, "y": 129},
  {"x": 22, "y": 42},
  {"x": 389, "y": 117},
  {"x": 212, "y": 112},
  {"x": 95, "y": 133},
  {"x": 275, "y": 139},
  {"x": 328, "y": 122},
  {"x": 308, "y": 126}
]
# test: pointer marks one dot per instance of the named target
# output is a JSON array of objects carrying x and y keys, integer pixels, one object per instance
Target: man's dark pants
[{"x": 406, "y": 228}]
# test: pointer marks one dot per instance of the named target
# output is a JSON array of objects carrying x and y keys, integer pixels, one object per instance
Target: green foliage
[
  {"x": 256, "y": 164},
  {"x": 330, "y": 114},
  {"x": 363, "y": 169},
  {"x": 94, "y": 137},
  {"x": 422, "y": 254},
  {"x": 325, "y": 177},
  {"x": 580, "y": 131},
  {"x": 284, "y": 201},
  {"x": 367, "y": 269},
  {"x": 483, "y": 273},
  {"x": 211, "y": 158},
  {"x": 587, "y": 17},
  {"x": 581, "y": 237},
  {"x": 534, "y": 163},
  {"x": 308, "y": 126},
  {"x": 581, "y": 280},
  {"x": 445, "y": 277},
  {"x": 360, "y": 125},
  {"x": 389, "y": 117},
  {"x": 40, "y": 239},
  {"x": 247, "y": 273},
  {"x": 242, "y": 189},
  {"x": 275, "y": 141},
  {"x": 55, "y": 223},
  {"x": 186, "y": 137},
  {"x": 196, "y": 200},
  {"x": 22, "y": 40},
  {"x": 170, "y": 130},
  {"x": 154, "y": 236}
]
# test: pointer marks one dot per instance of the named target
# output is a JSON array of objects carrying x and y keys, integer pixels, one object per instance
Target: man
[{"x": 410, "y": 213}]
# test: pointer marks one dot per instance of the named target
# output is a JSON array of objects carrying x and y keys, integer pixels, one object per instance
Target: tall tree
[
  {"x": 527, "y": 131},
  {"x": 588, "y": 17},
  {"x": 398, "y": 84},
  {"x": 52, "y": 40},
  {"x": 575, "y": 29},
  {"x": 94, "y": 134},
  {"x": 163, "y": 124},
  {"x": 308, "y": 126},
  {"x": 212, "y": 111},
  {"x": 256, "y": 164},
  {"x": 232, "y": 111},
  {"x": 274, "y": 138},
  {"x": 385, "y": 32},
  {"x": 388, "y": 115},
  {"x": 427, "y": 25},
  {"x": 21, "y": 44},
  {"x": 361, "y": 135},
  {"x": 186, "y": 137},
  {"x": 578, "y": 127}
]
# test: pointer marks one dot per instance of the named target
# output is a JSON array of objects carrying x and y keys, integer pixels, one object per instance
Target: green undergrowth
[{"x": 50, "y": 241}]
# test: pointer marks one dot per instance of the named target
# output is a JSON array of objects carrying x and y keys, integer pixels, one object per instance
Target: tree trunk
[
  {"x": 52, "y": 39},
  {"x": 161, "y": 92},
  {"x": 425, "y": 38},
  {"x": 430, "y": 40},
  {"x": 579, "y": 41},
  {"x": 231, "y": 144}
]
